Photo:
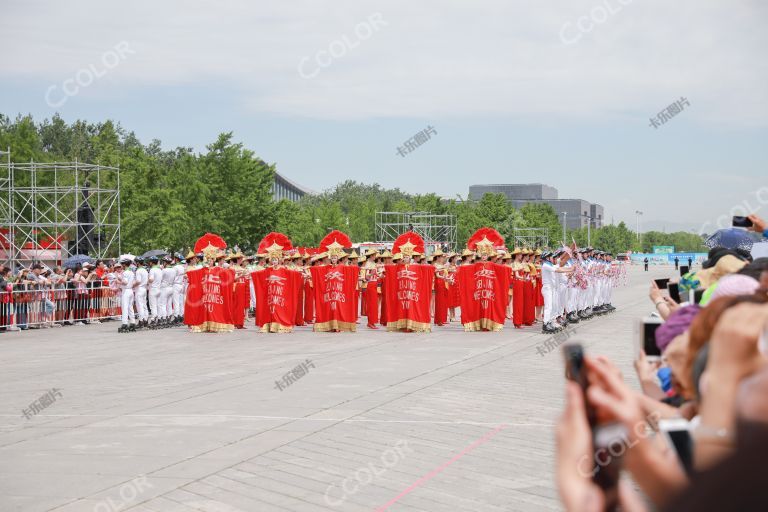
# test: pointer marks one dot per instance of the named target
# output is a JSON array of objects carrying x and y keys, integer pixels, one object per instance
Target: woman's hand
[{"x": 654, "y": 293}]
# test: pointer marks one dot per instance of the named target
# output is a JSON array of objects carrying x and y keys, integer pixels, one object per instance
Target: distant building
[
  {"x": 577, "y": 211},
  {"x": 283, "y": 188},
  {"x": 528, "y": 191}
]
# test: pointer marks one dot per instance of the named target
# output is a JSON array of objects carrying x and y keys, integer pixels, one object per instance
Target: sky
[{"x": 560, "y": 92}]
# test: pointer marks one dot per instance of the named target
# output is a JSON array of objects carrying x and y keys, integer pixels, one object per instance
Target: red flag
[
  {"x": 276, "y": 296},
  {"x": 408, "y": 291},
  {"x": 209, "y": 299},
  {"x": 484, "y": 289},
  {"x": 335, "y": 293}
]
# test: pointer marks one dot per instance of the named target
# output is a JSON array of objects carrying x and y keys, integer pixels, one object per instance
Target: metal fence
[{"x": 30, "y": 306}]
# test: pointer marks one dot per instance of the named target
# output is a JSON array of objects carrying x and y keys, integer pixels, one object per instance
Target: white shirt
[
  {"x": 156, "y": 274},
  {"x": 548, "y": 274},
  {"x": 127, "y": 281},
  {"x": 169, "y": 274},
  {"x": 180, "y": 271},
  {"x": 142, "y": 277}
]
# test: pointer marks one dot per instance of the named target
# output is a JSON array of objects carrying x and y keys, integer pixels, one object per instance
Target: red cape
[
  {"x": 408, "y": 290},
  {"x": 335, "y": 293},
  {"x": 208, "y": 305},
  {"x": 277, "y": 292},
  {"x": 484, "y": 293}
]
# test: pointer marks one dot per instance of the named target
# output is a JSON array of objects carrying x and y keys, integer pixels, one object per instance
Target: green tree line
[{"x": 170, "y": 197}]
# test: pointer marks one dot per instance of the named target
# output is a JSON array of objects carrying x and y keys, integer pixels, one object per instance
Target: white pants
[
  {"x": 570, "y": 305},
  {"x": 555, "y": 302},
  {"x": 546, "y": 291},
  {"x": 178, "y": 300},
  {"x": 154, "y": 303},
  {"x": 127, "y": 307},
  {"x": 141, "y": 303},
  {"x": 164, "y": 302},
  {"x": 562, "y": 300}
]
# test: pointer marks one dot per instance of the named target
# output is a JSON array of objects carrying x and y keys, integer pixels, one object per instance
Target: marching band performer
[
  {"x": 165, "y": 302},
  {"x": 177, "y": 289},
  {"x": 441, "y": 287},
  {"x": 518, "y": 287},
  {"x": 241, "y": 289},
  {"x": 369, "y": 278},
  {"x": 454, "y": 299},
  {"x": 126, "y": 280},
  {"x": 140, "y": 292},
  {"x": 155, "y": 290},
  {"x": 529, "y": 307}
]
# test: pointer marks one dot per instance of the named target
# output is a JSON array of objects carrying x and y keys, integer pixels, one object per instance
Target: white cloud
[{"x": 434, "y": 58}]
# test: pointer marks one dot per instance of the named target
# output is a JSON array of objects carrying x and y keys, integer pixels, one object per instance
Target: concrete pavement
[{"x": 169, "y": 421}]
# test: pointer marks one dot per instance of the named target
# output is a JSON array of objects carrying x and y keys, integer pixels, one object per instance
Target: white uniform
[
  {"x": 165, "y": 304},
  {"x": 584, "y": 293},
  {"x": 140, "y": 293},
  {"x": 570, "y": 294},
  {"x": 126, "y": 285},
  {"x": 562, "y": 291},
  {"x": 178, "y": 290},
  {"x": 548, "y": 277},
  {"x": 156, "y": 276}
]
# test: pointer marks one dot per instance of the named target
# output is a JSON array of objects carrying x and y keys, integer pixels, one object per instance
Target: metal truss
[
  {"x": 436, "y": 230},
  {"x": 530, "y": 237},
  {"x": 51, "y": 210}
]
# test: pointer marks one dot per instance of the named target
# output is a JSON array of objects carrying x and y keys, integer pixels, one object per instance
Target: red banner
[
  {"x": 484, "y": 289},
  {"x": 277, "y": 291},
  {"x": 336, "y": 297},
  {"x": 407, "y": 293},
  {"x": 208, "y": 306}
]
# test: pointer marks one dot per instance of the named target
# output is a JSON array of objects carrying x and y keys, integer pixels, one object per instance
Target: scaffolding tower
[
  {"x": 435, "y": 229},
  {"x": 52, "y": 210},
  {"x": 530, "y": 237}
]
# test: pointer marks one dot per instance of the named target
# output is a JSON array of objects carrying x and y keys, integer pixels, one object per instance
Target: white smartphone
[{"x": 645, "y": 337}]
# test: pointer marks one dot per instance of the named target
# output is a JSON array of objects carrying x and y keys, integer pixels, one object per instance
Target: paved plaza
[{"x": 169, "y": 421}]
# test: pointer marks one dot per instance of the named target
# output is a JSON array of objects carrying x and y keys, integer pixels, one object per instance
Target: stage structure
[
  {"x": 436, "y": 230},
  {"x": 529, "y": 237},
  {"x": 52, "y": 210}
]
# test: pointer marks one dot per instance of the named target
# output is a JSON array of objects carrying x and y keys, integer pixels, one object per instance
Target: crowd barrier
[{"x": 31, "y": 306}]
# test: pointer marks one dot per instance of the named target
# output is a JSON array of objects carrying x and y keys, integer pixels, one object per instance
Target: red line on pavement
[{"x": 429, "y": 476}]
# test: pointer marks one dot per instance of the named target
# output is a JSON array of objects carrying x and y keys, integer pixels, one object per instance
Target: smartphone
[
  {"x": 677, "y": 432},
  {"x": 662, "y": 283},
  {"x": 741, "y": 222},
  {"x": 575, "y": 371},
  {"x": 605, "y": 438},
  {"x": 674, "y": 292},
  {"x": 683, "y": 270},
  {"x": 610, "y": 443},
  {"x": 646, "y": 337}
]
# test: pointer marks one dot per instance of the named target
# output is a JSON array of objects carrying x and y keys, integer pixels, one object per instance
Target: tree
[{"x": 239, "y": 189}]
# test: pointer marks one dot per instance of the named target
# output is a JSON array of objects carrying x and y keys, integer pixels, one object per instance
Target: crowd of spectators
[
  {"x": 44, "y": 297},
  {"x": 711, "y": 382}
]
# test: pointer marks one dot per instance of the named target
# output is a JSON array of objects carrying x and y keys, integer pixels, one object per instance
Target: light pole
[
  {"x": 565, "y": 221},
  {"x": 589, "y": 225},
  {"x": 638, "y": 213}
]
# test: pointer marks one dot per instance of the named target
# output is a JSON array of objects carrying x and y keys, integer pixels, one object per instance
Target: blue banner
[{"x": 668, "y": 259}]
